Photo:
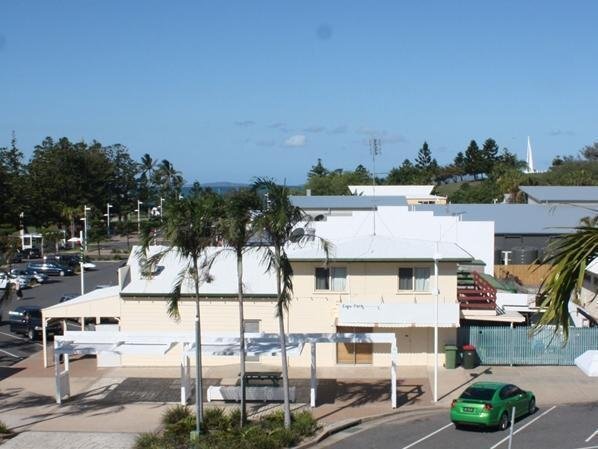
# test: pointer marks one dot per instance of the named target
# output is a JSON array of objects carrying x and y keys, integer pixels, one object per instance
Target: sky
[{"x": 231, "y": 90}]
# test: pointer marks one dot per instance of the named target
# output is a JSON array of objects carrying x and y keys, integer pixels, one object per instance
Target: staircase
[{"x": 474, "y": 292}]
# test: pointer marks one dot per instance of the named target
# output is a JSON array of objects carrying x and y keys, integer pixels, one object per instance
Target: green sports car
[{"x": 490, "y": 404}]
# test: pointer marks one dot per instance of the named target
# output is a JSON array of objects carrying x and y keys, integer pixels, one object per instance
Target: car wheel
[
  {"x": 532, "y": 406},
  {"x": 503, "y": 424},
  {"x": 62, "y": 273},
  {"x": 31, "y": 334}
]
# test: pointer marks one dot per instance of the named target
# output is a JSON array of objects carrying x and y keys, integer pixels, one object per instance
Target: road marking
[
  {"x": 428, "y": 436},
  {"x": 20, "y": 338},
  {"x": 11, "y": 354},
  {"x": 523, "y": 427},
  {"x": 588, "y": 447},
  {"x": 592, "y": 436}
]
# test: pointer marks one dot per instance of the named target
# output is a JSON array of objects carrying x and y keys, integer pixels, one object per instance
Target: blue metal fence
[{"x": 501, "y": 345}]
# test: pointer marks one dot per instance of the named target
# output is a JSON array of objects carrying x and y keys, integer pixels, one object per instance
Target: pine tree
[
  {"x": 317, "y": 170},
  {"x": 489, "y": 155},
  {"x": 473, "y": 160}
]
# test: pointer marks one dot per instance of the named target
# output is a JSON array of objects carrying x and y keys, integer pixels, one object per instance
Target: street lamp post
[
  {"x": 107, "y": 215},
  {"x": 85, "y": 209},
  {"x": 161, "y": 209},
  {"x": 138, "y": 210}
]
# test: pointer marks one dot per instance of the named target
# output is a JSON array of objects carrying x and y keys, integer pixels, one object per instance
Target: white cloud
[{"x": 298, "y": 140}]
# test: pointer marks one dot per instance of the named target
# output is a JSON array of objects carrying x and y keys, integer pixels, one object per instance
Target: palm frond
[
  {"x": 175, "y": 295},
  {"x": 569, "y": 256}
]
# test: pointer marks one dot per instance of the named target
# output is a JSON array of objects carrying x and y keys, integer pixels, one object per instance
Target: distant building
[
  {"x": 413, "y": 194},
  {"x": 560, "y": 194}
]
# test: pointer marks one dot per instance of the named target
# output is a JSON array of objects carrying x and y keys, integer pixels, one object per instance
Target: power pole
[{"x": 375, "y": 150}]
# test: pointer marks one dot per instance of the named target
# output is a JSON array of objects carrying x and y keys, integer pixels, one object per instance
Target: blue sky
[{"x": 229, "y": 90}]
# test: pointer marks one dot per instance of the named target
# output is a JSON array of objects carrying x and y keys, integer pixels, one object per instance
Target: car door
[{"x": 520, "y": 400}]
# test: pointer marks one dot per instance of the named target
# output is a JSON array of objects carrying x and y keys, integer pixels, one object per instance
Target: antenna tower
[{"x": 375, "y": 150}]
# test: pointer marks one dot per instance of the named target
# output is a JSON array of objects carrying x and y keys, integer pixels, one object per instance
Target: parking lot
[
  {"x": 14, "y": 348},
  {"x": 550, "y": 427}
]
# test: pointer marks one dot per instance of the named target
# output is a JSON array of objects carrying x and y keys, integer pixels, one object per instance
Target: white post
[
  {"x": 436, "y": 294},
  {"x": 82, "y": 323},
  {"x": 57, "y": 375},
  {"x": 512, "y": 425},
  {"x": 108, "y": 206},
  {"x": 314, "y": 380},
  {"x": 394, "y": 355},
  {"x": 44, "y": 342},
  {"x": 184, "y": 380},
  {"x": 161, "y": 209}
]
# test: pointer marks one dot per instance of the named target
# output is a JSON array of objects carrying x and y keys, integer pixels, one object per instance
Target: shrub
[
  {"x": 215, "y": 419},
  {"x": 148, "y": 441},
  {"x": 304, "y": 423},
  {"x": 175, "y": 414},
  {"x": 3, "y": 428}
]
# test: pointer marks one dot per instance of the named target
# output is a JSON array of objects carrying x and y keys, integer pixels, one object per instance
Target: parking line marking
[
  {"x": 592, "y": 436},
  {"x": 20, "y": 338},
  {"x": 428, "y": 436},
  {"x": 523, "y": 427},
  {"x": 10, "y": 354}
]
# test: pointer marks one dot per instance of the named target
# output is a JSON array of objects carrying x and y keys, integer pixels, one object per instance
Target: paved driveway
[{"x": 551, "y": 427}]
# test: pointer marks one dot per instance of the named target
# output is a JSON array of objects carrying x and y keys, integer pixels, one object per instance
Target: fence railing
[{"x": 502, "y": 345}]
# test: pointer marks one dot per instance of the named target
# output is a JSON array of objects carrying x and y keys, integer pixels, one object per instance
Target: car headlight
[{"x": 37, "y": 328}]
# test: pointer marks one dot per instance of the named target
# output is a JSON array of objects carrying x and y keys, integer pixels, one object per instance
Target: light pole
[
  {"x": 138, "y": 210},
  {"x": 161, "y": 209},
  {"x": 437, "y": 257},
  {"x": 107, "y": 215},
  {"x": 85, "y": 209}
]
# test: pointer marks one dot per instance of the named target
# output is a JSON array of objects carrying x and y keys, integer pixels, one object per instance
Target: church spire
[{"x": 530, "y": 158}]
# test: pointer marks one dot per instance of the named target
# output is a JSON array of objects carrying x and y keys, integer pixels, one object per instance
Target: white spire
[{"x": 530, "y": 158}]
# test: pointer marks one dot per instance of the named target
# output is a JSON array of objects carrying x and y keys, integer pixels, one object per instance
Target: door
[
  {"x": 354, "y": 353},
  {"x": 252, "y": 326}
]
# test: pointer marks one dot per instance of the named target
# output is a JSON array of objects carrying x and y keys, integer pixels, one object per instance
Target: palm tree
[
  {"x": 236, "y": 231},
  {"x": 569, "y": 256},
  {"x": 147, "y": 170},
  {"x": 169, "y": 179},
  {"x": 278, "y": 218},
  {"x": 189, "y": 228}
]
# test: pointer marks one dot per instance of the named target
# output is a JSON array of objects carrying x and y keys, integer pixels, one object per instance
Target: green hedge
[{"x": 221, "y": 430}]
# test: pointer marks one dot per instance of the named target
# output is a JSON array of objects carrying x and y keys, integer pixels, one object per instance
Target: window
[
  {"x": 333, "y": 279},
  {"x": 414, "y": 279},
  {"x": 405, "y": 278}
]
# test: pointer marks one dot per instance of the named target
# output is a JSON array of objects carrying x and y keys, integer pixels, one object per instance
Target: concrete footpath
[{"x": 109, "y": 406}]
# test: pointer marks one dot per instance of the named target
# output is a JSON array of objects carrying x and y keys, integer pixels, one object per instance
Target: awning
[
  {"x": 398, "y": 315},
  {"x": 104, "y": 302},
  {"x": 507, "y": 317}
]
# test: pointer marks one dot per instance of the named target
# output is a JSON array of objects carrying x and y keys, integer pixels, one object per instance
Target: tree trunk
[
  {"x": 241, "y": 336},
  {"x": 198, "y": 366},
  {"x": 283, "y": 344}
]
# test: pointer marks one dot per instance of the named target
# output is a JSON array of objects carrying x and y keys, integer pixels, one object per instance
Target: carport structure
[
  {"x": 257, "y": 344},
  {"x": 95, "y": 305}
]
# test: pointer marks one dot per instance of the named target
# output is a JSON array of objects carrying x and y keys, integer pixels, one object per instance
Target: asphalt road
[
  {"x": 14, "y": 348},
  {"x": 551, "y": 427}
]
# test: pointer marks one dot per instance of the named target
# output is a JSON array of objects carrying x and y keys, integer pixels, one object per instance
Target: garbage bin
[
  {"x": 470, "y": 357},
  {"x": 450, "y": 356}
]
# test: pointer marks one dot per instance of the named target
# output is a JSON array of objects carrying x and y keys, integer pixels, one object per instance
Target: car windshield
[{"x": 482, "y": 394}]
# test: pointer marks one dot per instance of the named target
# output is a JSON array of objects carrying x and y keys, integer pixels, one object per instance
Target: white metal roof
[
  {"x": 381, "y": 248},
  {"x": 402, "y": 190},
  {"x": 223, "y": 275},
  {"x": 103, "y": 302},
  {"x": 593, "y": 266}
]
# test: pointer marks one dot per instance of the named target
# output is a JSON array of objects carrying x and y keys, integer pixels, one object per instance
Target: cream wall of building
[{"x": 310, "y": 311}]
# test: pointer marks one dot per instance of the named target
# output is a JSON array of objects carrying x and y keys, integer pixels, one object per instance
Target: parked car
[
  {"x": 490, "y": 404},
  {"x": 22, "y": 280},
  {"x": 68, "y": 297},
  {"x": 51, "y": 269},
  {"x": 67, "y": 260},
  {"x": 87, "y": 262},
  {"x": 27, "y": 320},
  {"x": 35, "y": 277}
]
